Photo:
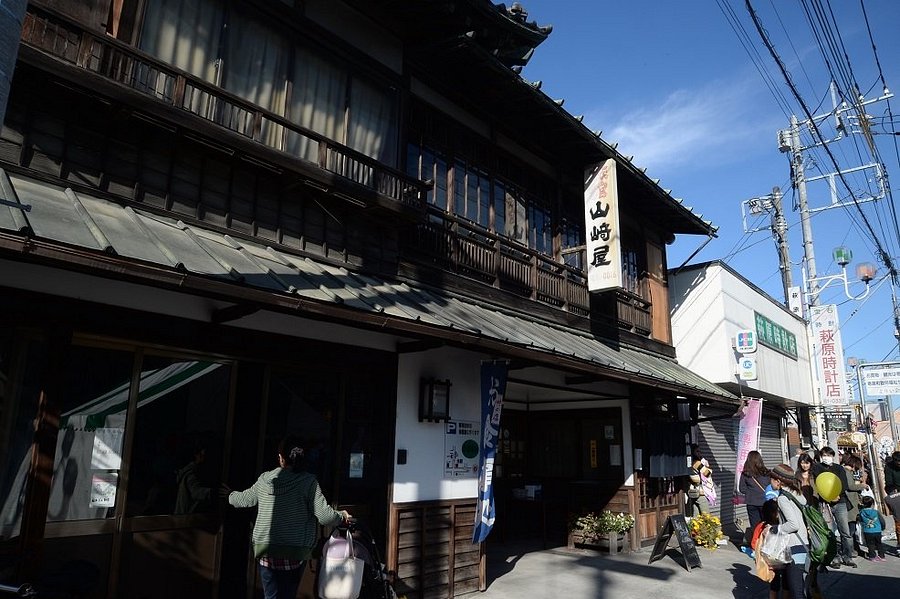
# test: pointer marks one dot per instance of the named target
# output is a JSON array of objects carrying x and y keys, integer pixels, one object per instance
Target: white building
[{"x": 711, "y": 303}]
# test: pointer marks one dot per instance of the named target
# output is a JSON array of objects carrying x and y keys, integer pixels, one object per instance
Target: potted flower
[
  {"x": 605, "y": 530},
  {"x": 706, "y": 530}
]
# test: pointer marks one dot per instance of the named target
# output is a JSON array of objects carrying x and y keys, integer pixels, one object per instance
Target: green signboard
[{"x": 775, "y": 336}]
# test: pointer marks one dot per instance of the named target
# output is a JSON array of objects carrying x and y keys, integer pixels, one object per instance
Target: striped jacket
[{"x": 289, "y": 505}]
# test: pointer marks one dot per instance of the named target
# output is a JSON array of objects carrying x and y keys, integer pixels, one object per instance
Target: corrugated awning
[{"x": 42, "y": 211}]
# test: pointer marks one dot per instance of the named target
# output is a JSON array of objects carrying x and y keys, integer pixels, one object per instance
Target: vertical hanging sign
[
  {"x": 601, "y": 222},
  {"x": 828, "y": 352},
  {"x": 747, "y": 439},
  {"x": 493, "y": 388}
]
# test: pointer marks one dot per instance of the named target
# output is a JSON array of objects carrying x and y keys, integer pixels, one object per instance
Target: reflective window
[
  {"x": 20, "y": 365},
  {"x": 179, "y": 436},
  {"x": 93, "y": 407}
]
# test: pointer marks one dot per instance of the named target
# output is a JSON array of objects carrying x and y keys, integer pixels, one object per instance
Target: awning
[{"x": 41, "y": 219}]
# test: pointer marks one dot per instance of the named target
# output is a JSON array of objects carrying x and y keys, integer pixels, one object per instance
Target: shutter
[
  {"x": 770, "y": 440},
  {"x": 718, "y": 444}
]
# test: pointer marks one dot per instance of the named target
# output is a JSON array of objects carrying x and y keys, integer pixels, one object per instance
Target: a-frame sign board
[{"x": 676, "y": 525}]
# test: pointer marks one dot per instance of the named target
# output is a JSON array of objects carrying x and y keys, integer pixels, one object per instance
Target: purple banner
[
  {"x": 747, "y": 440},
  {"x": 493, "y": 388}
]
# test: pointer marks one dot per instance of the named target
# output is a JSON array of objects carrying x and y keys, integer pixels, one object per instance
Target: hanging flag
[
  {"x": 747, "y": 440},
  {"x": 493, "y": 388}
]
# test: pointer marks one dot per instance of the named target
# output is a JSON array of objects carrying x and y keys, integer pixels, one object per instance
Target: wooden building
[{"x": 224, "y": 221}]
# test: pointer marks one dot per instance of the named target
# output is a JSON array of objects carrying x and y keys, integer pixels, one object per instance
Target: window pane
[
  {"x": 472, "y": 195},
  {"x": 484, "y": 201},
  {"x": 20, "y": 375},
  {"x": 440, "y": 182},
  {"x": 255, "y": 68},
  {"x": 318, "y": 101},
  {"x": 499, "y": 208},
  {"x": 184, "y": 33},
  {"x": 179, "y": 436},
  {"x": 459, "y": 189},
  {"x": 93, "y": 409},
  {"x": 373, "y": 122}
]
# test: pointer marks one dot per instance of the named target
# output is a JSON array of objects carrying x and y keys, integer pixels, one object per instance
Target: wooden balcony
[
  {"x": 458, "y": 245},
  {"x": 129, "y": 68}
]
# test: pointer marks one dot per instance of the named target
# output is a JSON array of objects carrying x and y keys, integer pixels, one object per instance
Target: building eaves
[{"x": 133, "y": 240}]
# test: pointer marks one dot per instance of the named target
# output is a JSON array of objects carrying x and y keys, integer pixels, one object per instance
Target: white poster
[
  {"x": 107, "y": 454},
  {"x": 828, "y": 352},
  {"x": 461, "y": 449},
  {"x": 103, "y": 489},
  {"x": 601, "y": 222}
]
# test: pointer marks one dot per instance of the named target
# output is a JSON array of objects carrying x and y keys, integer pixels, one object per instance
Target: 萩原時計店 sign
[
  {"x": 601, "y": 222},
  {"x": 775, "y": 336},
  {"x": 828, "y": 353}
]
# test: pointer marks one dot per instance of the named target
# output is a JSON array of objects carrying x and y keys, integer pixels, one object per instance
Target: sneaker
[
  {"x": 849, "y": 563},
  {"x": 835, "y": 564},
  {"x": 879, "y": 559}
]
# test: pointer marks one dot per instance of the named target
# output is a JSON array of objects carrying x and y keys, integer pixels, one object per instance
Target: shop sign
[
  {"x": 745, "y": 342},
  {"x": 747, "y": 368},
  {"x": 775, "y": 336},
  {"x": 601, "y": 222},
  {"x": 828, "y": 352},
  {"x": 838, "y": 423}
]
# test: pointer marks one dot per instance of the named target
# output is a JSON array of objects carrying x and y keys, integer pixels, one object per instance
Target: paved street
[{"x": 523, "y": 571}]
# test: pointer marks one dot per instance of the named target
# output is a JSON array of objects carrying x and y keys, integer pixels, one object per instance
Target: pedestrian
[
  {"x": 192, "y": 496},
  {"x": 769, "y": 518},
  {"x": 892, "y": 501},
  {"x": 752, "y": 484},
  {"x": 892, "y": 472},
  {"x": 872, "y": 525},
  {"x": 806, "y": 479},
  {"x": 795, "y": 460},
  {"x": 839, "y": 507},
  {"x": 793, "y": 524},
  {"x": 290, "y": 504}
]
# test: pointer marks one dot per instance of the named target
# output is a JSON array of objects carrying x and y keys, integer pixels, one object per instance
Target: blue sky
[{"x": 671, "y": 82}]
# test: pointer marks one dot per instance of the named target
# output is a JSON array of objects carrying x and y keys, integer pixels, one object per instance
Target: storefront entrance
[{"x": 127, "y": 495}]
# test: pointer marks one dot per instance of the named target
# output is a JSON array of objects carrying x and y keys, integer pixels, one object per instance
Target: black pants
[
  {"x": 754, "y": 515},
  {"x": 794, "y": 578},
  {"x": 873, "y": 542}
]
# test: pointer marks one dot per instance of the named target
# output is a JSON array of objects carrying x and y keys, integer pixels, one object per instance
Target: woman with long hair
[
  {"x": 790, "y": 498},
  {"x": 282, "y": 544},
  {"x": 807, "y": 479},
  {"x": 753, "y": 483}
]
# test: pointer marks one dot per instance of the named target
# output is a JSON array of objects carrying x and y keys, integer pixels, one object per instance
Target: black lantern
[{"x": 434, "y": 400}]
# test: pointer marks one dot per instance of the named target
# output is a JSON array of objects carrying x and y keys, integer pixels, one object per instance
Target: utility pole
[
  {"x": 799, "y": 181},
  {"x": 779, "y": 228}
]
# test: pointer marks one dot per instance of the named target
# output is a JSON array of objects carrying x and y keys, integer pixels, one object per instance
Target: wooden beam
[{"x": 235, "y": 312}]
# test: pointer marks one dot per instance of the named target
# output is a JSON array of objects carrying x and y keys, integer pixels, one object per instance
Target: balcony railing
[
  {"x": 460, "y": 246},
  {"x": 140, "y": 72}
]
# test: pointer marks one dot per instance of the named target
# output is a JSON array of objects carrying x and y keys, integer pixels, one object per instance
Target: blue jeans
[
  {"x": 280, "y": 584},
  {"x": 842, "y": 521}
]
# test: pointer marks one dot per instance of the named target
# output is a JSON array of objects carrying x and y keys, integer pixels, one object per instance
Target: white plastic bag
[
  {"x": 776, "y": 549},
  {"x": 340, "y": 571}
]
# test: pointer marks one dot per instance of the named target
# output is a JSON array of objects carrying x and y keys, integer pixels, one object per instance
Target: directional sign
[{"x": 881, "y": 380}]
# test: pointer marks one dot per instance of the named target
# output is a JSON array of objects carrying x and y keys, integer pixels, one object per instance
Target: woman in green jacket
[{"x": 282, "y": 544}]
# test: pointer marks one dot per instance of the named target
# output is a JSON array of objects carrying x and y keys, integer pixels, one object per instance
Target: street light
[{"x": 865, "y": 272}]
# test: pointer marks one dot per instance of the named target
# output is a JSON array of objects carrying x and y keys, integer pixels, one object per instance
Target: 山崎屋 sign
[
  {"x": 775, "y": 336},
  {"x": 601, "y": 221},
  {"x": 881, "y": 380}
]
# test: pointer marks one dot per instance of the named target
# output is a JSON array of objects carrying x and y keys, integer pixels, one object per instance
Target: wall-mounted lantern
[{"x": 434, "y": 400}]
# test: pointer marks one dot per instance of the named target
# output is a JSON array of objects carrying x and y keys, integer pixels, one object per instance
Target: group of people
[{"x": 774, "y": 498}]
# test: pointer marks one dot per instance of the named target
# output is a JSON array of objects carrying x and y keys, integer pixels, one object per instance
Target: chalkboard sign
[{"x": 676, "y": 525}]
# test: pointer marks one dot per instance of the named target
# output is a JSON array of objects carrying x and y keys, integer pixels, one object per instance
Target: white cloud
[{"x": 713, "y": 125}]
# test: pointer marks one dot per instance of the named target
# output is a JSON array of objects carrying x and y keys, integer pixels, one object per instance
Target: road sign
[{"x": 881, "y": 380}]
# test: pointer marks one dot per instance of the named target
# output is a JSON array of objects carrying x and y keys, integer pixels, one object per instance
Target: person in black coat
[
  {"x": 753, "y": 483},
  {"x": 839, "y": 507}
]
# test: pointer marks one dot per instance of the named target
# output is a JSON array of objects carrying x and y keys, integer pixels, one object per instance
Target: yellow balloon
[{"x": 828, "y": 485}]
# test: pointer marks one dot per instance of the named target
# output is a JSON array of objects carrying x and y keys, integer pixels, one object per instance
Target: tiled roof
[{"x": 52, "y": 213}]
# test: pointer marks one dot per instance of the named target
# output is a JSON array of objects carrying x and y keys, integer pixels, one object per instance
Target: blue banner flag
[{"x": 493, "y": 388}]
